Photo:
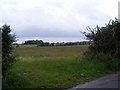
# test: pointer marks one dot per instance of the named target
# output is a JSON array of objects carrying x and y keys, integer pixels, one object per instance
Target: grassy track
[{"x": 57, "y": 66}]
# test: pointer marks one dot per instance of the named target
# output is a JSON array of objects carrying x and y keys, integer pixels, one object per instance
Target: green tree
[
  {"x": 7, "y": 57},
  {"x": 40, "y": 43},
  {"x": 105, "y": 39}
]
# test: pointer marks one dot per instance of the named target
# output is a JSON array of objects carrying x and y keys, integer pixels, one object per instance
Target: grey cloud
[
  {"x": 39, "y": 32},
  {"x": 55, "y": 19}
]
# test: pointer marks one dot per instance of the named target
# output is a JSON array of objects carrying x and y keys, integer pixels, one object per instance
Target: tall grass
[
  {"x": 111, "y": 63},
  {"x": 13, "y": 80}
]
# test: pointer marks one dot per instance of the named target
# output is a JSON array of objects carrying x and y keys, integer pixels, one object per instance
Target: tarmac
[{"x": 107, "y": 81}]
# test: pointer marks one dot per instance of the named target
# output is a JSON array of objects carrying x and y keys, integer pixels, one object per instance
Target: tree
[
  {"x": 46, "y": 43},
  {"x": 7, "y": 57},
  {"x": 105, "y": 39},
  {"x": 40, "y": 43}
]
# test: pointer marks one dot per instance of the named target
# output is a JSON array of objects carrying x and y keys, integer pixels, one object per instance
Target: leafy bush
[{"x": 105, "y": 39}]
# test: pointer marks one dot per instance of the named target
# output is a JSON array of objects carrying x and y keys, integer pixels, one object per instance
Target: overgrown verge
[
  {"x": 105, "y": 47},
  {"x": 108, "y": 61},
  {"x": 13, "y": 80}
]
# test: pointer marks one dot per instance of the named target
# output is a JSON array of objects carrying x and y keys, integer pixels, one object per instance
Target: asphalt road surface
[{"x": 108, "y": 81}]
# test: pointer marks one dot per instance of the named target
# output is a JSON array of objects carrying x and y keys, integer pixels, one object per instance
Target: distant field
[
  {"x": 51, "y": 51},
  {"x": 54, "y": 66}
]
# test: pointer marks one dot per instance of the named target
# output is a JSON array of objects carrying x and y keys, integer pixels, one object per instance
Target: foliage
[
  {"x": 7, "y": 39},
  {"x": 14, "y": 80},
  {"x": 111, "y": 63},
  {"x": 105, "y": 39}
]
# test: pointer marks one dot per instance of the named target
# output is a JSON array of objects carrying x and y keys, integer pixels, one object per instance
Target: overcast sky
[{"x": 52, "y": 19}]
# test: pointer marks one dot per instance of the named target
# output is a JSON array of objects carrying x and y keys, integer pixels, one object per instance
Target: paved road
[{"x": 108, "y": 81}]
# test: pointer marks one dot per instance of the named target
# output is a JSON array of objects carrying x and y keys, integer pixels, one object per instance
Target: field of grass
[
  {"x": 55, "y": 67},
  {"x": 51, "y": 51}
]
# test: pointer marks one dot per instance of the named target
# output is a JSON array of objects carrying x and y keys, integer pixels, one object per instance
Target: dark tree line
[
  {"x": 105, "y": 39},
  {"x": 33, "y": 42},
  {"x": 41, "y": 43}
]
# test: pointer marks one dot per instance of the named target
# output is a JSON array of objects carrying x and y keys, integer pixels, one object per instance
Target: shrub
[
  {"x": 105, "y": 39},
  {"x": 7, "y": 39}
]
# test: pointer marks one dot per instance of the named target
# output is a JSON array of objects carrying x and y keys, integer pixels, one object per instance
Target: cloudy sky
[{"x": 55, "y": 20}]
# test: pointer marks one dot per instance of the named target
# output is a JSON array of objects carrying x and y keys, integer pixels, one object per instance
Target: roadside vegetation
[
  {"x": 9, "y": 78},
  {"x": 106, "y": 44}
]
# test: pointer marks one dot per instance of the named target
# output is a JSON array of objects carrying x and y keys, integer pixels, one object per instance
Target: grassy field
[
  {"x": 51, "y": 51},
  {"x": 55, "y": 67}
]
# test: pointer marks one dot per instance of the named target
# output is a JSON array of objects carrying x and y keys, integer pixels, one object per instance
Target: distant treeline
[{"x": 41, "y": 43}]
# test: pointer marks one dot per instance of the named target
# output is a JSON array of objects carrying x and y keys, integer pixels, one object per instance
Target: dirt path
[{"x": 108, "y": 81}]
